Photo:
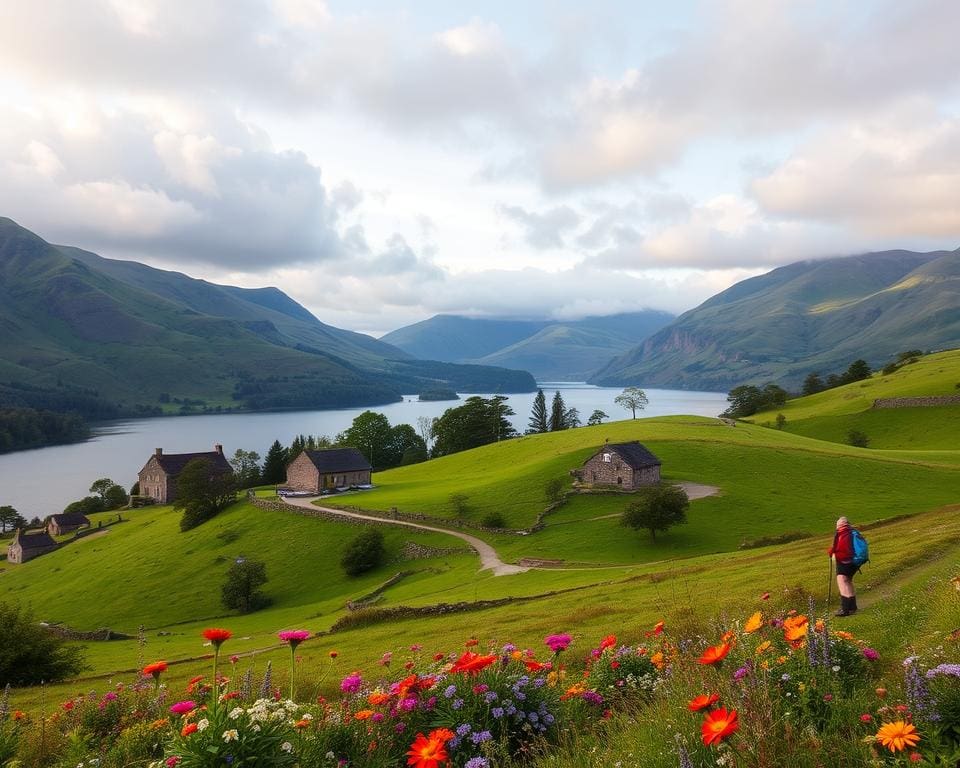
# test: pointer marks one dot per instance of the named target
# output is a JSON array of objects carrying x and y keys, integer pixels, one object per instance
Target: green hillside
[
  {"x": 141, "y": 338},
  {"x": 832, "y": 414},
  {"x": 808, "y": 316}
]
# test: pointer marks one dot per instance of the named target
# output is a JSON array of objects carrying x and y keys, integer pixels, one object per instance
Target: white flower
[
  {"x": 307, "y": 716},
  {"x": 235, "y": 713},
  {"x": 835, "y": 668},
  {"x": 231, "y": 735},
  {"x": 286, "y": 746},
  {"x": 202, "y": 725},
  {"x": 330, "y": 756},
  {"x": 255, "y": 728}
]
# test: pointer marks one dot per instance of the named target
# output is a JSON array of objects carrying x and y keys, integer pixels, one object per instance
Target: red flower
[
  {"x": 472, "y": 642},
  {"x": 426, "y": 753},
  {"x": 333, "y": 654},
  {"x": 715, "y": 653},
  {"x": 703, "y": 701},
  {"x": 188, "y": 729},
  {"x": 536, "y": 666},
  {"x": 155, "y": 669},
  {"x": 608, "y": 642},
  {"x": 442, "y": 734},
  {"x": 717, "y": 725},
  {"x": 472, "y": 663},
  {"x": 217, "y": 636},
  {"x": 438, "y": 656}
]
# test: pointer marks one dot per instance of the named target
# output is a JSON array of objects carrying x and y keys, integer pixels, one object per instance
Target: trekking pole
[{"x": 829, "y": 580}]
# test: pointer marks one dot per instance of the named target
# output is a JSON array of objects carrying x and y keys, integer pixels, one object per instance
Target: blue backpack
[{"x": 861, "y": 552}]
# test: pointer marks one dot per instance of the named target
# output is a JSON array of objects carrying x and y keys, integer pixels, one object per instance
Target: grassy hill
[{"x": 809, "y": 316}]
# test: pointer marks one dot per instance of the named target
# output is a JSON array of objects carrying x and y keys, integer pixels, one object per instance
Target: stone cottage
[
  {"x": 625, "y": 465},
  {"x": 67, "y": 522},
  {"x": 315, "y": 471},
  {"x": 158, "y": 478},
  {"x": 26, "y": 546}
]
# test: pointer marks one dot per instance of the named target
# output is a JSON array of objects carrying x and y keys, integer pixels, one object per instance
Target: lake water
[{"x": 43, "y": 481}]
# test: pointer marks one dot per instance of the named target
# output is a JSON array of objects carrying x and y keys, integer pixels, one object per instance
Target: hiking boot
[
  {"x": 852, "y": 606},
  {"x": 844, "y": 607}
]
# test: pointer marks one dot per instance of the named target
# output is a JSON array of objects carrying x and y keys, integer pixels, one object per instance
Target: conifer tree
[
  {"x": 275, "y": 465},
  {"x": 538, "y": 416},
  {"x": 558, "y": 413}
]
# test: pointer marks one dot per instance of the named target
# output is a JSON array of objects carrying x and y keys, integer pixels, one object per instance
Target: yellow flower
[
  {"x": 763, "y": 647},
  {"x": 754, "y": 623},
  {"x": 898, "y": 736}
]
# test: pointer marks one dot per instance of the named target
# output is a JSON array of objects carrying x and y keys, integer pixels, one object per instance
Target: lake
[{"x": 43, "y": 481}]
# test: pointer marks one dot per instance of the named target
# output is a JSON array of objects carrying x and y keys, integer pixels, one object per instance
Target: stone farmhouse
[
  {"x": 316, "y": 471},
  {"x": 67, "y": 522},
  {"x": 625, "y": 465},
  {"x": 158, "y": 478},
  {"x": 26, "y": 546}
]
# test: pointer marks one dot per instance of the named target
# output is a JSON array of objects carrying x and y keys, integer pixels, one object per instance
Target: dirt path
[{"x": 488, "y": 555}]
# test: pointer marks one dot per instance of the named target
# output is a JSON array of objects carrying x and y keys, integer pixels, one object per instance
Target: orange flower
[
  {"x": 155, "y": 669},
  {"x": 442, "y": 734},
  {"x": 763, "y": 647},
  {"x": 842, "y": 635},
  {"x": 217, "y": 636},
  {"x": 535, "y": 666},
  {"x": 377, "y": 698},
  {"x": 717, "y": 725},
  {"x": 658, "y": 661},
  {"x": 472, "y": 642},
  {"x": 703, "y": 701},
  {"x": 574, "y": 690},
  {"x": 472, "y": 663},
  {"x": 19, "y": 714},
  {"x": 728, "y": 637},
  {"x": 754, "y": 623},
  {"x": 302, "y": 724},
  {"x": 161, "y": 723},
  {"x": 795, "y": 628},
  {"x": 363, "y": 714},
  {"x": 426, "y": 753},
  {"x": 715, "y": 654},
  {"x": 657, "y": 628},
  {"x": 188, "y": 729},
  {"x": 608, "y": 642},
  {"x": 898, "y": 736}
]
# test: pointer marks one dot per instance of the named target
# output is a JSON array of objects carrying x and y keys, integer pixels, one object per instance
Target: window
[
  {"x": 619, "y": 481},
  {"x": 606, "y": 457}
]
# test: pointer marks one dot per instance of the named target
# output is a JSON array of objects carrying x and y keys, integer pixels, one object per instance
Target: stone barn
[
  {"x": 158, "y": 478},
  {"x": 26, "y": 546},
  {"x": 625, "y": 465},
  {"x": 316, "y": 471},
  {"x": 57, "y": 525}
]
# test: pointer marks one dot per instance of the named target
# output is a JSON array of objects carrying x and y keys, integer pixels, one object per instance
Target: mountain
[
  {"x": 75, "y": 325},
  {"x": 809, "y": 316},
  {"x": 550, "y": 350}
]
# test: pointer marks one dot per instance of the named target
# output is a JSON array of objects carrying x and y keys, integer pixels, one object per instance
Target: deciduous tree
[
  {"x": 633, "y": 399},
  {"x": 203, "y": 491},
  {"x": 31, "y": 653},
  {"x": 364, "y": 553},
  {"x": 241, "y": 590},
  {"x": 10, "y": 519},
  {"x": 596, "y": 417},
  {"x": 657, "y": 509}
]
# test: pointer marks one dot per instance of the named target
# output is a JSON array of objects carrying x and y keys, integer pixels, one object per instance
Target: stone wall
[
  {"x": 617, "y": 472},
  {"x": 302, "y": 475},
  {"x": 916, "y": 402}
]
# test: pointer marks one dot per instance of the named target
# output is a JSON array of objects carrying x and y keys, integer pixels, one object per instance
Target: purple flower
[
  {"x": 742, "y": 672},
  {"x": 952, "y": 670},
  {"x": 592, "y": 697},
  {"x": 477, "y": 762},
  {"x": 457, "y": 703},
  {"x": 557, "y": 643},
  {"x": 480, "y": 737},
  {"x": 450, "y": 691},
  {"x": 497, "y": 712},
  {"x": 464, "y": 729},
  {"x": 869, "y": 653},
  {"x": 376, "y": 717},
  {"x": 351, "y": 683}
]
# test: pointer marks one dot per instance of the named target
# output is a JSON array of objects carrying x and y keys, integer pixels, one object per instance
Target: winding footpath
[{"x": 488, "y": 555}]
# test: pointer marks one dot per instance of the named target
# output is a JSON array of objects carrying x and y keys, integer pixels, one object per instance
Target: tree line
[{"x": 22, "y": 428}]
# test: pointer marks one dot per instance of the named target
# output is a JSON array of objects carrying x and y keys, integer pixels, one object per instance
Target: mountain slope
[
  {"x": 813, "y": 315},
  {"x": 135, "y": 334},
  {"x": 550, "y": 350}
]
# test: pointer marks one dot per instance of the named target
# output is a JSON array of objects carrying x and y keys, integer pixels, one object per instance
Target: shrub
[
  {"x": 458, "y": 502},
  {"x": 553, "y": 490},
  {"x": 364, "y": 553},
  {"x": 857, "y": 439},
  {"x": 241, "y": 590},
  {"x": 657, "y": 509},
  {"x": 30, "y": 653},
  {"x": 493, "y": 520}
]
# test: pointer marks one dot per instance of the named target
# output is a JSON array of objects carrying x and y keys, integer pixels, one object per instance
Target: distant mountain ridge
[
  {"x": 808, "y": 316},
  {"x": 550, "y": 349},
  {"x": 136, "y": 335}
]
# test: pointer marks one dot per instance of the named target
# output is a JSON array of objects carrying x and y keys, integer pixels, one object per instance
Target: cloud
[{"x": 543, "y": 230}]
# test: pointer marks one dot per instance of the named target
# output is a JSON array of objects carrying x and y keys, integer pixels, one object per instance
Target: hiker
[{"x": 842, "y": 553}]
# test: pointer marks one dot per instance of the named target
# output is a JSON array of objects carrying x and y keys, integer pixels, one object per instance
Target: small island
[{"x": 437, "y": 394}]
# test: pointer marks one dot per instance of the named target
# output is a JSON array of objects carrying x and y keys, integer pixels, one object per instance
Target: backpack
[{"x": 861, "y": 552}]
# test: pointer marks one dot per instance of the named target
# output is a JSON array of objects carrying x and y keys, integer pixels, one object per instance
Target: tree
[
  {"x": 101, "y": 486},
  {"x": 781, "y": 421},
  {"x": 246, "y": 468},
  {"x": 10, "y": 519},
  {"x": 658, "y": 509},
  {"x": 364, "y": 553},
  {"x": 241, "y": 591},
  {"x": 116, "y": 497},
  {"x": 596, "y": 418},
  {"x": 458, "y": 501},
  {"x": 477, "y": 422},
  {"x": 812, "y": 384},
  {"x": 370, "y": 433},
  {"x": 31, "y": 653},
  {"x": 275, "y": 465},
  {"x": 203, "y": 491},
  {"x": 858, "y": 439},
  {"x": 405, "y": 443},
  {"x": 85, "y": 506},
  {"x": 558, "y": 410},
  {"x": 571, "y": 418},
  {"x": 538, "y": 415},
  {"x": 858, "y": 371},
  {"x": 633, "y": 399},
  {"x": 415, "y": 454},
  {"x": 773, "y": 395},
  {"x": 425, "y": 429},
  {"x": 553, "y": 490}
]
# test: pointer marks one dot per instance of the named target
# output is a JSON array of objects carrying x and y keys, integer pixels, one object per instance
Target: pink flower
[
  {"x": 870, "y": 654},
  {"x": 557, "y": 643},
  {"x": 351, "y": 683},
  {"x": 866, "y": 718},
  {"x": 234, "y": 659},
  {"x": 386, "y": 659},
  {"x": 182, "y": 707},
  {"x": 293, "y": 636},
  {"x": 172, "y": 761}
]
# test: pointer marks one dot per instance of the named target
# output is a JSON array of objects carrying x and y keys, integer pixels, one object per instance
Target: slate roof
[
  {"x": 69, "y": 518},
  {"x": 634, "y": 454},
  {"x": 35, "y": 540},
  {"x": 173, "y": 463},
  {"x": 338, "y": 460}
]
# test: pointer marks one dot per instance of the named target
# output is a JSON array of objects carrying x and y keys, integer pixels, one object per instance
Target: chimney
[
  {"x": 218, "y": 448},
  {"x": 158, "y": 452}
]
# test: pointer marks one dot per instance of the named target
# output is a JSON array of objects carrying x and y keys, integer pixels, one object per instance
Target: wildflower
[
  {"x": 754, "y": 623},
  {"x": 765, "y": 596},
  {"x": 477, "y": 762},
  {"x": 231, "y": 735},
  {"x": 715, "y": 654},
  {"x": 188, "y": 729},
  {"x": 866, "y": 717},
  {"x": 363, "y": 714},
  {"x": 293, "y": 636},
  {"x": 377, "y": 698},
  {"x": 234, "y": 659},
  {"x": 426, "y": 752},
  {"x": 717, "y": 725},
  {"x": 286, "y": 746},
  {"x": 203, "y": 724},
  {"x": 217, "y": 636},
  {"x": 795, "y": 628},
  {"x": 608, "y": 642},
  {"x": 172, "y": 761},
  {"x": 763, "y": 647},
  {"x": 742, "y": 672},
  {"x": 155, "y": 669},
  {"x": 881, "y": 692},
  {"x": 472, "y": 663},
  {"x": 898, "y": 736},
  {"x": 333, "y": 654},
  {"x": 443, "y": 734},
  {"x": 235, "y": 713},
  {"x": 870, "y": 654},
  {"x": 386, "y": 659},
  {"x": 182, "y": 707},
  {"x": 703, "y": 701},
  {"x": 472, "y": 642},
  {"x": 303, "y": 723},
  {"x": 351, "y": 683},
  {"x": 557, "y": 643},
  {"x": 951, "y": 670}
]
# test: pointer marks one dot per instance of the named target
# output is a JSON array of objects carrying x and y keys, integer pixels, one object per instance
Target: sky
[{"x": 382, "y": 162}]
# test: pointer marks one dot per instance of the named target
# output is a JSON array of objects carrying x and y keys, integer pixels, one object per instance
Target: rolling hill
[
  {"x": 134, "y": 335},
  {"x": 550, "y": 350},
  {"x": 808, "y": 316}
]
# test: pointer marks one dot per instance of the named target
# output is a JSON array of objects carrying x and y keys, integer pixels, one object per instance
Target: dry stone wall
[{"x": 916, "y": 402}]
